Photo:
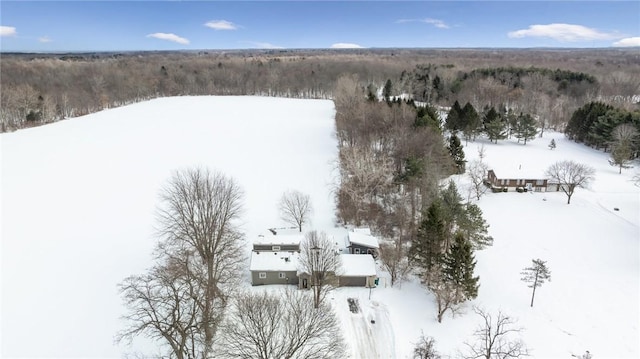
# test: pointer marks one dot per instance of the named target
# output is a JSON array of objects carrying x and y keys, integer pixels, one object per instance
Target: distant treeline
[{"x": 43, "y": 88}]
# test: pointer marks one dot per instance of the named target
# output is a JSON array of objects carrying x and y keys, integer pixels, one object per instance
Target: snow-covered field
[{"x": 78, "y": 202}]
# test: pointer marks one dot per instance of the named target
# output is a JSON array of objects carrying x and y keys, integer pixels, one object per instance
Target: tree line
[{"x": 43, "y": 88}]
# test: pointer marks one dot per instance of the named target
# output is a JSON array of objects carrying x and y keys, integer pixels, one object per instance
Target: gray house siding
[
  {"x": 352, "y": 281},
  {"x": 273, "y": 277},
  {"x": 360, "y": 249},
  {"x": 269, "y": 247}
]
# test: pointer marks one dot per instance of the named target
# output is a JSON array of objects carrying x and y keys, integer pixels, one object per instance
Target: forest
[{"x": 548, "y": 83}]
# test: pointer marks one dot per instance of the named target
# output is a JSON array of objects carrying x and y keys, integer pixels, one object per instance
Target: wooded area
[{"x": 552, "y": 83}]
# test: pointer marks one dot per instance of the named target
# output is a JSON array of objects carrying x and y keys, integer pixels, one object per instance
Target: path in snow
[{"x": 364, "y": 338}]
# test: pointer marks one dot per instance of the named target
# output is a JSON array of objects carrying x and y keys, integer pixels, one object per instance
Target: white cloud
[
  {"x": 437, "y": 23},
  {"x": 628, "y": 42},
  {"x": 7, "y": 31},
  {"x": 263, "y": 45},
  {"x": 169, "y": 37},
  {"x": 440, "y": 24},
  {"x": 221, "y": 25},
  {"x": 563, "y": 32},
  {"x": 345, "y": 45},
  {"x": 45, "y": 39}
]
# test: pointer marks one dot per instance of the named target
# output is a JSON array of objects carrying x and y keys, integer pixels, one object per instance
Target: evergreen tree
[
  {"x": 427, "y": 249},
  {"x": 458, "y": 266},
  {"x": 536, "y": 275},
  {"x": 427, "y": 116},
  {"x": 386, "y": 91},
  {"x": 527, "y": 129},
  {"x": 453, "y": 118},
  {"x": 457, "y": 153},
  {"x": 552, "y": 144},
  {"x": 474, "y": 227},
  {"x": 452, "y": 211},
  {"x": 583, "y": 119},
  {"x": 472, "y": 123},
  {"x": 513, "y": 123},
  {"x": 494, "y": 126}
]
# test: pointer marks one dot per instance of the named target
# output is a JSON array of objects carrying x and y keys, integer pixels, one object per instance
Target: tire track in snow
[{"x": 365, "y": 338}]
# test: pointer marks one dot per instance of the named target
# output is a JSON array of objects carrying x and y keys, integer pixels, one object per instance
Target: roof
[
  {"x": 518, "y": 170},
  {"x": 274, "y": 261},
  {"x": 357, "y": 265},
  {"x": 363, "y": 239},
  {"x": 286, "y": 237}
]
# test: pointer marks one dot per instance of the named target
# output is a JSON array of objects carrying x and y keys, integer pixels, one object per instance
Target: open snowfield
[{"x": 78, "y": 201}]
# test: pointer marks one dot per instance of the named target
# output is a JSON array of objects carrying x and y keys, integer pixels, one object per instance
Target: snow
[
  {"x": 274, "y": 261},
  {"x": 363, "y": 239},
  {"x": 78, "y": 204},
  {"x": 282, "y": 238},
  {"x": 357, "y": 265},
  {"x": 79, "y": 196}
]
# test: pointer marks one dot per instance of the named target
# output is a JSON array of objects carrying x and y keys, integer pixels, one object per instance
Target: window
[
  {"x": 539, "y": 182},
  {"x": 356, "y": 251},
  {"x": 281, "y": 275},
  {"x": 263, "y": 275},
  {"x": 275, "y": 248}
]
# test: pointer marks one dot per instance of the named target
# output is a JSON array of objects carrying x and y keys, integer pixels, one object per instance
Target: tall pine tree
[
  {"x": 474, "y": 227},
  {"x": 494, "y": 126},
  {"x": 457, "y": 153},
  {"x": 472, "y": 123},
  {"x": 527, "y": 128},
  {"x": 453, "y": 122},
  {"x": 458, "y": 266},
  {"x": 428, "y": 247}
]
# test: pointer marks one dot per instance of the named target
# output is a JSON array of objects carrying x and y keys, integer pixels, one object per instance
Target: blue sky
[{"x": 194, "y": 25}]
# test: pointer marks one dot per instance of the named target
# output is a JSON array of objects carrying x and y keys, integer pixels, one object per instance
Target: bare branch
[
  {"x": 295, "y": 208},
  {"x": 320, "y": 260},
  {"x": 494, "y": 338},
  {"x": 280, "y": 325}
]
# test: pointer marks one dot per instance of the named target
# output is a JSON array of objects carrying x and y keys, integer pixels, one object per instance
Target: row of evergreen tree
[
  {"x": 593, "y": 124},
  {"x": 497, "y": 125},
  {"x": 443, "y": 249}
]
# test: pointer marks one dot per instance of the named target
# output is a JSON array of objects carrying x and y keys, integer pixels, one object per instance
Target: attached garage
[
  {"x": 352, "y": 281},
  {"x": 356, "y": 270}
]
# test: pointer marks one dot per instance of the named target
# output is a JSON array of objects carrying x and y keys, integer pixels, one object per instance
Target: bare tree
[
  {"x": 320, "y": 260},
  {"x": 164, "y": 304},
  {"x": 494, "y": 338},
  {"x": 476, "y": 172},
  {"x": 449, "y": 296},
  {"x": 295, "y": 208},
  {"x": 536, "y": 275},
  {"x": 395, "y": 261},
  {"x": 570, "y": 175},
  {"x": 624, "y": 136},
  {"x": 280, "y": 325},
  {"x": 363, "y": 173},
  {"x": 198, "y": 214},
  {"x": 425, "y": 348}
]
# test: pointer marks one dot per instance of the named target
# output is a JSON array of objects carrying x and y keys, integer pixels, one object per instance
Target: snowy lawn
[{"x": 78, "y": 201}]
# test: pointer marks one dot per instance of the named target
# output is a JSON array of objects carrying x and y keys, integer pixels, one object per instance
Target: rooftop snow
[
  {"x": 518, "y": 170},
  {"x": 274, "y": 261},
  {"x": 286, "y": 237},
  {"x": 363, "y": 239},
  {"x": 357, "y": 265}
]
